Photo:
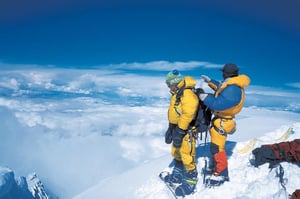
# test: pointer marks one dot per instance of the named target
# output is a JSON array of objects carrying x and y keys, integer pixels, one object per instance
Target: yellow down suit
[
  {"x": 226, "y": 102},
  {"x": 182, "y": 114}
]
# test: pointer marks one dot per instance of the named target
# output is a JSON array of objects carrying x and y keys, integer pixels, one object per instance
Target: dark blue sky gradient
[{"x": 264, "y": 37}]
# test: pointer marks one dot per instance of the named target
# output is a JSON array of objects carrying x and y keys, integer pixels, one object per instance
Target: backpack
[
  {"x": 202, "y": 120},
  {"x": 276, "y": 153},
  {"x": 296, "y": 194},
  {"x": 203, "y": 116}
]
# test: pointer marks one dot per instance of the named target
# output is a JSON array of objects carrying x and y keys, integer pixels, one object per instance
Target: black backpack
[
  {"x": 276, "y": 153},
  {"x": 203, "y": 116}
]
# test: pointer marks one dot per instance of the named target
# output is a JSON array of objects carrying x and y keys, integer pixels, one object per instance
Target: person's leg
[
  {"x": 190, "y": 179},
  {"x": 177, "y": 173},
  {"x": 176, "y": 176},
  {"x": 219, "y": 158}
]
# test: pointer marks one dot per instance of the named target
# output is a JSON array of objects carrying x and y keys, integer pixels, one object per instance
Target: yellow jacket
[{"x": 183, "y": 113}]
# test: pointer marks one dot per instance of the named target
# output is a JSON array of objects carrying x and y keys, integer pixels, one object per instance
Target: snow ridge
[{"x": 24, "y": 188}]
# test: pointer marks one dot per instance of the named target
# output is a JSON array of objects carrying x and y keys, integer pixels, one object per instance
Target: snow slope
[{"x": 246, "y": 180}]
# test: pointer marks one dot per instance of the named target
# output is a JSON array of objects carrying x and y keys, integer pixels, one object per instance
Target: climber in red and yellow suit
[{"x": 226, "y": 102}]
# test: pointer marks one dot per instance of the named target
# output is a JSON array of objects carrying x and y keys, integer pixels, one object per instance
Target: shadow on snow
[{"x": 203, "y": 150}]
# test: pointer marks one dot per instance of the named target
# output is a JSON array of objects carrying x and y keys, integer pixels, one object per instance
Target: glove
[
  {"x": 205, "y": 78},
  {"x": 178, "y": 134},
  {"x": 199, "y": 91},
  {"x": 169, "y": 132},
  {"x": 202, "y": 96}
]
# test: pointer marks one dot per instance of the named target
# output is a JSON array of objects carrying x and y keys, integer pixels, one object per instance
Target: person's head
[
  {"x": 173, "y": 78},
  {"x": 230, "y": 70}
]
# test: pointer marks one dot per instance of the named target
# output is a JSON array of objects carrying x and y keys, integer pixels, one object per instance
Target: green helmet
[{"x": 173, "y": 77}]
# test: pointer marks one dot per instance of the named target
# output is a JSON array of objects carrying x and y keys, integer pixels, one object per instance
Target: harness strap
[
  {"x": 220, "y": 129},
  {"x": 222, "y": 117},
  {"x": 178, "y": 99}
]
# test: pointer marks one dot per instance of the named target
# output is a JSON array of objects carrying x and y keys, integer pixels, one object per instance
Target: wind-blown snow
[{"x": 99, "y": 133}]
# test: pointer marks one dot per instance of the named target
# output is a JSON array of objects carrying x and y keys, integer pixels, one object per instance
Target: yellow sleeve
[
  {"x": 172, "y": 115},
  {"x": 212, "y": 85}
]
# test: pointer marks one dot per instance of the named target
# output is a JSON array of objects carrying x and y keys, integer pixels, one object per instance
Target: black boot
[
  {"x": 217, "y": 179},
  {"x": 177, "y": 174},
  {"x": 188, "y": 184}
]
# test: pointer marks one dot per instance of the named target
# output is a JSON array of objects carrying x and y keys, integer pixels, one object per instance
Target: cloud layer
[{"x": 70, "y": 125}]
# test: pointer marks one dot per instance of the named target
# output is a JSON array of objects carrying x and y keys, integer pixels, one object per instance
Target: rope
[{"x": 282, "y": 181}]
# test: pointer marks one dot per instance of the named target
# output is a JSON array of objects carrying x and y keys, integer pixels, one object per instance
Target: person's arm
[{"x": 228, "y": 98}]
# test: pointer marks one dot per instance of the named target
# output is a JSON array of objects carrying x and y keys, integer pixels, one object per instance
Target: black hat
[{"x": 230, "y": 70}]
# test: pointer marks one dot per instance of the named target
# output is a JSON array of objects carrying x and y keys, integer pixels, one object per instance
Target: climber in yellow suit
[
  {"x": 226, "y": 102},
  {"x": 182, "y": 111}
]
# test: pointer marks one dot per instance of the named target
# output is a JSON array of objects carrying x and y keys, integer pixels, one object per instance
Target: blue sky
[{"x": 261, "y": 37}]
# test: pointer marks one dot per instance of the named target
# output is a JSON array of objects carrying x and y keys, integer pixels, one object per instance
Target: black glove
[
  {"x": 199, "y": 91},
  {"x": 169, "y": 132},
  {"x": 178, "y": 134},
  {"x": 201, "y": 94}
]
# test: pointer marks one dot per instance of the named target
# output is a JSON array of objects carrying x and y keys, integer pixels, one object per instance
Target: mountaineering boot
[
  {"x": 216, "y": 180},
  {"x": 175, "y": 177},
  {"x": 188, "y": 184},
  {"x": 177, "y": 174},
  {"x": 208, "y": 170},
  {"x": 220, "y": 172}
]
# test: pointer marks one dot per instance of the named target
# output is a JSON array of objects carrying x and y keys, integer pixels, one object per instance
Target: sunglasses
[{"x": 168, "y": 84}]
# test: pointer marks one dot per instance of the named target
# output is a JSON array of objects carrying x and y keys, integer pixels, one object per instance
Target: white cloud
[
  {"x": 162, "y": 65},
  {"x": 294, "y": 85},
  {"x": 10, "y": 83}
]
